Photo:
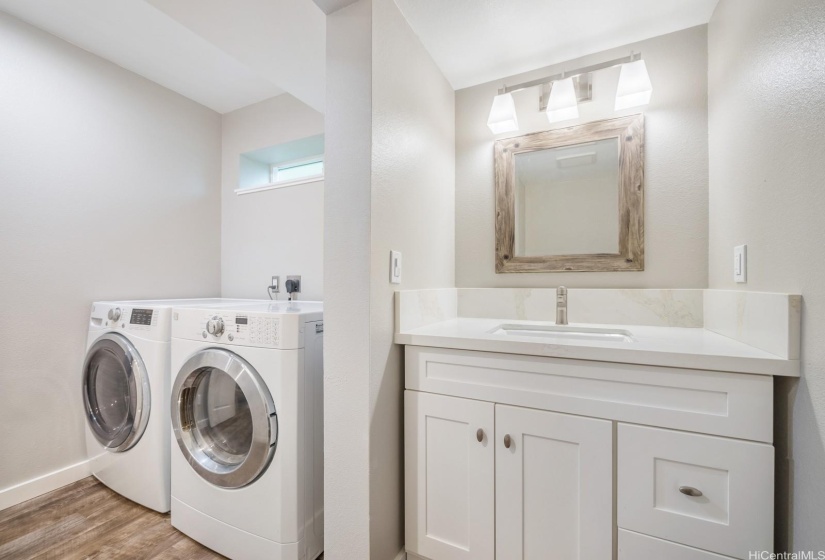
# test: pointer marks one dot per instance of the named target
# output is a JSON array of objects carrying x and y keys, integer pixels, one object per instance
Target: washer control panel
[
  {"x": 119, "y": 316},
  {"x": 141, "y": 317}
]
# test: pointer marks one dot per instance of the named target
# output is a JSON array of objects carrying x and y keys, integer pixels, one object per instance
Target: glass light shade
[
  {"x": 634, "y": 86},
  {"x": 503, "y": 114},
  {"x": 563, "y": 104}
]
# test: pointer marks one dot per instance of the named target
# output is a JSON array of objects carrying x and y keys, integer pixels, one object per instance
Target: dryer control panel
[
  {"x": 241, "y": 328},
  {"x": 258, "y": 330}
]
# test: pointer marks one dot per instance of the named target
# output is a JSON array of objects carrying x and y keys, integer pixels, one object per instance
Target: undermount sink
[{"x": 567, "y": 332}]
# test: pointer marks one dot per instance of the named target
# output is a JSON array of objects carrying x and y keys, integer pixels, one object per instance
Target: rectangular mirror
[
  {"x": 567, "y": 200},
  {"x": 571, "y": 199}
]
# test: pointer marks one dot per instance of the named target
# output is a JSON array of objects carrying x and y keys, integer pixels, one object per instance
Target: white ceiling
[
  {"x": 477, "y": 41},
  {"x": 175, "y": 44},
  {"x": 227, "y": 55}
]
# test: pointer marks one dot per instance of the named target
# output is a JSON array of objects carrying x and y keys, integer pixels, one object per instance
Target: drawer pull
[
  {"x": 480, "y": 435},
  {"x": 690, "y": 491},
  {"x": 507, "y": 441}
]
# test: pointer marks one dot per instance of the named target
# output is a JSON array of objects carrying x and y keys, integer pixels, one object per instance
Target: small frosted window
[
  {"x": 296, "y": 171},
  {"x": 290, "y": 164}
]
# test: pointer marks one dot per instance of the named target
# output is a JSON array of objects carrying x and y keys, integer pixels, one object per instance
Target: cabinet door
[
  {"x": 449, "y": 477},
  {"x": 554, "y": 486}
]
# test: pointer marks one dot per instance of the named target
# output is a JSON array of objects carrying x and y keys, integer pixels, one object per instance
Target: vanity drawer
[
  {"x": 657, "y": 468},
  {"x": 633, "y": 546}
]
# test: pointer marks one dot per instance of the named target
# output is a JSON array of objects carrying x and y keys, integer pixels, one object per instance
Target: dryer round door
[
  {"x": 223, "y": 418},
  {"x": 115, "y": 392}
]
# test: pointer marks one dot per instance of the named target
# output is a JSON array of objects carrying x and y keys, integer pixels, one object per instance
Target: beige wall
[
  {"x": 274, "y": 232},
  {"x": 767, "y": 116},
  {"x": 676, "y": 152},
  {"x": 110, "y": 191},
  {"x": 347, "y": 279},
  {"x": 413, "y": 211},
  {"x": 390, "y": 177}
]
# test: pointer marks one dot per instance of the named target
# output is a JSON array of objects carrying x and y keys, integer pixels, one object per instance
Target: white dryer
[
  {"x": 126, "y": 383},
  {"x": 247, "y": 419}
]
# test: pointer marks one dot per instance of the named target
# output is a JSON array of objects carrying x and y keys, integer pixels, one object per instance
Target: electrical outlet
[
  {"x": 395, "y": 267},
  {"x": 740, "y": 264},
  {"x": 295, "y": 284}
]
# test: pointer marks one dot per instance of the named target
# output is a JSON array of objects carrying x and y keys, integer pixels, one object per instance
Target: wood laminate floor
[{"x": 87, "y": 520}]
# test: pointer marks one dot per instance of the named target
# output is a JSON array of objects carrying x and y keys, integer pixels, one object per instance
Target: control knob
[
  {"x": 214, "y": 326},
  {"x": 114, "y": 314}
]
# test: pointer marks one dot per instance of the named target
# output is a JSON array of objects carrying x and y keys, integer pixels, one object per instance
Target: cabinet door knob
[
  {"x": 690, "y": 491},
  {"x": 480, "y": 435},
  {"x": 507, "y": 441}
]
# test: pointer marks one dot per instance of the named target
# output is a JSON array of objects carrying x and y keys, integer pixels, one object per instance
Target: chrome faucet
[{"x": 561, "y": 305}]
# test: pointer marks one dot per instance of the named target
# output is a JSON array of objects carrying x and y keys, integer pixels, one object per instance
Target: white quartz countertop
[{"x": 692, "y": 348}]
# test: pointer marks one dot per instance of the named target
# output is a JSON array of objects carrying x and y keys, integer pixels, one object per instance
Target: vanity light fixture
[
  {"x": 503, "y": 116},
  {"x": 568, "y": 89},
  {"x": 563, "y": 104},
  {"x": 634, "y": 86}
]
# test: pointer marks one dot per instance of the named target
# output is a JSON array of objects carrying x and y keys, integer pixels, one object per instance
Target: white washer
[
  {"x": 247, "y": 419},
  {"x": 126, "y": 383}
]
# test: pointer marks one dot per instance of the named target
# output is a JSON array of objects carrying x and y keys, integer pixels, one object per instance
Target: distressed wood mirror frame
[{"x": 630, "y": 134}]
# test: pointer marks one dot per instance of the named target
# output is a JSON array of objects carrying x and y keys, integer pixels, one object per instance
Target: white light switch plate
[
  {"x": 395, "y": 267},
  {"x": 740, "y": 264}
]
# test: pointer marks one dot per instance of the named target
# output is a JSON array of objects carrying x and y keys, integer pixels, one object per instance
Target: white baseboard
[
  {"x": 401, "y": 555},
  {"x": 19, "y": 493}
]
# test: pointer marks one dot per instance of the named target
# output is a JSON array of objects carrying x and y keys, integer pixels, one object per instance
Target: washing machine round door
[
  {"x": 115, "y": 392},
  {"x": 223, "y": 417}
]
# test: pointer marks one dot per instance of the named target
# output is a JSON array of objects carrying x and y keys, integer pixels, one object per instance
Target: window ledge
[{"x": 282, "y": 185}]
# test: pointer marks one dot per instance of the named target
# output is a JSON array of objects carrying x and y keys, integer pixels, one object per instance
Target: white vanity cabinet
[
  {"x": 513, "y": 457},
  {"x": 488, "y": 481}
]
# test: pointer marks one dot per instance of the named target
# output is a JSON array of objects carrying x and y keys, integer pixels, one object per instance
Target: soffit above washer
[
  {"x": 283, "y": 41},
  {"x": 171, "y": 50},
  {"x": 329, "y": 6},
  {"x": 474, "y": 41}
]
